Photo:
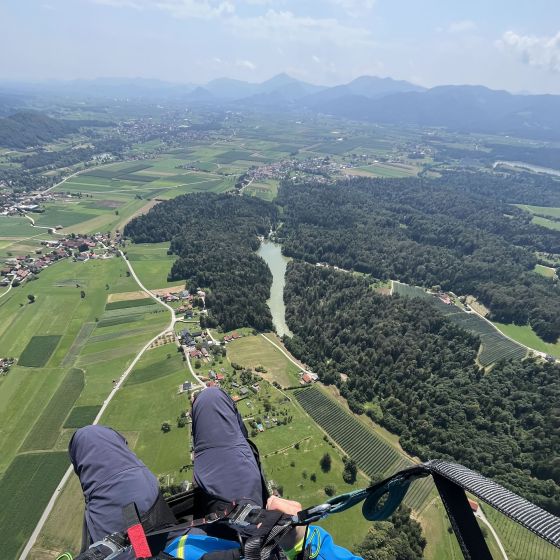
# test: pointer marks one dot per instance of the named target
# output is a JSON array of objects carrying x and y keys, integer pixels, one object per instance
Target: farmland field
[
  {"x": 11, "y": 226},
  {"x": 81, "y": 416},
  {"x": 128, "y": 303},
  {"x": 25, "y": 491},
  {"x": 38, "y": 351},
  {"x": 152, "y": 264},
  {"x": 526, "y": 335},
  {"x": 253, "y": 351},
  {"x": 46, "y": 429},
  {"x": 545, "y": 222},
  {"x": 494, "y": 346},
  {"x": 545, "y": 270},
  {"x": 267, "y": 190},
  {"x": 372, "y": 454},
  {"x": 55, "y": 331},
  {"x": 541, "y": 210},
  {"x": 519, "y": 543},
  {"x": 385, "y": 170}
]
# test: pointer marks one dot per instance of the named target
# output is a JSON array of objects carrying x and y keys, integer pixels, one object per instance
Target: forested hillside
[
  {"x": 29, "y": 128},
  {"x": 215, "y": 237},
  {"x": 459, "y": 232},
  {"x": 415, "y": 373}
]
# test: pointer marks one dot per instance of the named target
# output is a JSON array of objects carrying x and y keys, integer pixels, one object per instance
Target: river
[{"x": 277, "y": 262}]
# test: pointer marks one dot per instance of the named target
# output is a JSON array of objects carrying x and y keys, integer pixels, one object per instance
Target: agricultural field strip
[
  {"x": 39, "y": 350},
  {"x": 79, "y": 342},
  {"x": 31, "y": 473},
  {"x": 123, "y": 304},
  {"x": 126, "y": 311},
  {"x": 46, "y": 429},
  {"x": 373, "y": 455},
  {"x": 44, "y": 516},
  {"x": 494, "y": 344}
]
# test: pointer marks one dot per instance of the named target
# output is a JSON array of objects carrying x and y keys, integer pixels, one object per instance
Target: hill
[
  {"x": 464, "y": 108},
  {"x": 30, "y": 128}
]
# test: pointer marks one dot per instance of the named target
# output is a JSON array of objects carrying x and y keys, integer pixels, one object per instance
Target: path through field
[
  {"x": 106, "y": 402},
  {"x": 480, "y": 514}
]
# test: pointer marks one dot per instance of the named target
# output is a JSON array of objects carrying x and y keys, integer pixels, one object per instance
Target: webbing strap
[
  {"x": 135, "y": 532},
  {"x": 256, "y": 549}
]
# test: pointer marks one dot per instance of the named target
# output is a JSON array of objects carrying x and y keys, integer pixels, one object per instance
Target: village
[
  {"x": 17, "y": 203},
  {"x": 24, "y": 268}
]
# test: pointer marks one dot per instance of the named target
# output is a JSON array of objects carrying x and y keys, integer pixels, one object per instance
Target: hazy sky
[{"x": 509, "y": 44}]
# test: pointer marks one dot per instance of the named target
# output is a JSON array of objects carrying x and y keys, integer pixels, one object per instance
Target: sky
[{"x": 503, "y": 44}]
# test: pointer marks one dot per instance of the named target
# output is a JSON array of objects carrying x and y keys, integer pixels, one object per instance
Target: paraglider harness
[{"x": 259, "y": 531}]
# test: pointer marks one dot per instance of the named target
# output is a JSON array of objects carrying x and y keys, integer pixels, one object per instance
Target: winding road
[{"x": 106, "y": 402}]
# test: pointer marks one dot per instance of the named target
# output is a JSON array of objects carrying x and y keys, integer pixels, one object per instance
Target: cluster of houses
[
  {"x": 5, "y": 365},
  {"x": 17, "y": 203},
  {"x": 233, "y": 336},
  {"x": 321, "y": 166},
  {"x": 20, "y": 269},
  {"x": 186, "y": 299}
]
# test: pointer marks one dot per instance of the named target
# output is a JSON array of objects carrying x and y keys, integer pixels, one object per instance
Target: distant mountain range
[{"x": 367, "y": 98}]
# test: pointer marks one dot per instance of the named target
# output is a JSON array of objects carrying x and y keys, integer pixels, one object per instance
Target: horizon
[
  {"x": 507, "y": 47},
  {"x": 195, "y": 84}
]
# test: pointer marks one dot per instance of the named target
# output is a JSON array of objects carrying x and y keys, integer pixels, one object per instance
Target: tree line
[
  {"x": 414, "y": 372},
  {"x": 461, "y": 232},
  {"x": 215, "y": 239}
]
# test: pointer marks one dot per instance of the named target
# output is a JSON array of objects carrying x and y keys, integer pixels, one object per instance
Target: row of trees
[
  {"x": 215, "y": 238},
  {"x": 459, "y": 232},
  {"x": 418, "y": 369}
]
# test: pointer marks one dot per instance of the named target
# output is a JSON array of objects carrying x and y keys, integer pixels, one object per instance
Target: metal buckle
[
  {"x": 306, "y": 516},
  {"x": 240, "y": 517}
]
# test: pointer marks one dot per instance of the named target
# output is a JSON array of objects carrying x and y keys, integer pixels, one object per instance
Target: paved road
[{"x": 118, "y": 385}]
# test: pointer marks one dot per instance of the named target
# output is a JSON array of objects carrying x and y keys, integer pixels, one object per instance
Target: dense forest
[
  {"x": 461, "y": 232},
  {"x": 215, "y": 238},
  {"x": 414, "y": 372}
]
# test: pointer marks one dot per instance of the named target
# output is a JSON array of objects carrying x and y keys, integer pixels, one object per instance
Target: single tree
[
  {"x": 31, "y": 298},
  {"x": 325, "y": 463}
]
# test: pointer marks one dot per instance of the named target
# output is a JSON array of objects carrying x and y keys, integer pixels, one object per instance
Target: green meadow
[
  {"x": 61, "y": 379},
  {"x": 152, "y": 264},
  {"x": 525, "y": 335}
]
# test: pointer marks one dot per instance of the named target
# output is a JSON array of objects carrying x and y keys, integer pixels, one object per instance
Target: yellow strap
[
  {"x": 292, "y": 553},
  {"x": 181, "y": 547}
]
